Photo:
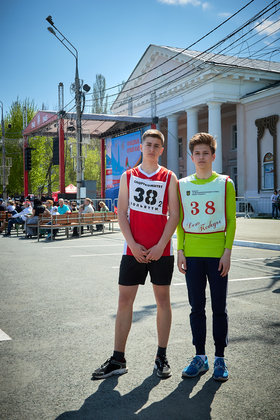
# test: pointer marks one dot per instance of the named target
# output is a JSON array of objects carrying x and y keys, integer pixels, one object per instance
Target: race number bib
[
  {"x": 204, "y": 206},
  {"x": 146, "y": 195}
]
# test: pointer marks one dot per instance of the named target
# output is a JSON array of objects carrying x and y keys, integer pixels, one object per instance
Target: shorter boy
[{"x": 205, "y": 238}]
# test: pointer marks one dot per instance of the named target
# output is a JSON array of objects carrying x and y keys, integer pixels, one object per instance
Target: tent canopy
[{"x": 45, "y": 123}]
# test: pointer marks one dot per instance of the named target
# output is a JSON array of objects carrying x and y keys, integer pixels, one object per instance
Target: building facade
[{"x": 237, "y": 100}]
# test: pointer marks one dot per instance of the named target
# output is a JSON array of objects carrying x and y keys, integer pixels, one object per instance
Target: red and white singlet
[{"x": 148, "y": 206}]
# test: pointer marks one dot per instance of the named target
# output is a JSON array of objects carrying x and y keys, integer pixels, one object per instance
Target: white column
[
  {"x": 241, "y": 150},
  {"x": 215, "y": 129},
  {"x": 192, "y": 129},
  {"x": 172, "y": 145}
]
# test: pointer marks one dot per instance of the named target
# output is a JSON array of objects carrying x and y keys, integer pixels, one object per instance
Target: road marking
[
  {"x": 4, "y": 336},
  {"x": 253, "y": 259},
  {"x": 79, "y": 246},
  {"x": 96, "y": 255},
  {"x": 244, "y": 279}
]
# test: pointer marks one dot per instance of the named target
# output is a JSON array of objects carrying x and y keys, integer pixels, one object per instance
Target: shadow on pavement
[
  {"x": 178, "y": 405},
  {"x": 274, "y": 280},
  {"x": 107, "y": 403}
]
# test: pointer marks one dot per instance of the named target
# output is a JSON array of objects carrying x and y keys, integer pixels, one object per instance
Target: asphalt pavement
[{"x": 57, "y": 311}]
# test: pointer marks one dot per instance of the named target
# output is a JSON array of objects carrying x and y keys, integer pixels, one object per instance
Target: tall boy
[
  {"x": 148, "y": 193},
  {"x": 205, "y": 238}
]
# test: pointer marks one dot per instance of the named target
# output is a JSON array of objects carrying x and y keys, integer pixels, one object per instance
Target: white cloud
[
  {"x": 182, "y": 2},
  {"x": 224, "y": 14},
  {"x": 206, "y": 6},
  {"x": 268, "y": 27}
]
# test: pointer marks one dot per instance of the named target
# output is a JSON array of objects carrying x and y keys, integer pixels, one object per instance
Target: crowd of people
[{"x": 26, "y": 213}]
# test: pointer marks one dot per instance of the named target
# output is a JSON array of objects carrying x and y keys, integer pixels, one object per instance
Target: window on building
[
  {"x": 268, "y": 171},
  {"x": 234, "y": 136},
  {"x": 180, "y": 143}
]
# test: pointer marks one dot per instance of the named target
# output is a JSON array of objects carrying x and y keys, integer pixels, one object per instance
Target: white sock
[{"x": 203, "y": 356}]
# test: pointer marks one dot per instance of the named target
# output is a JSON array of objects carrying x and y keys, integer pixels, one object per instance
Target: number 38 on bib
[
  {"x": 146, "y": 196},
  {"x": 204, "y": 205}
]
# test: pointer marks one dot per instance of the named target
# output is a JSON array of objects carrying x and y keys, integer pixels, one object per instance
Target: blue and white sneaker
[
  {"x": 196, "y": 367},
  {"x": 220, "y": 370}
]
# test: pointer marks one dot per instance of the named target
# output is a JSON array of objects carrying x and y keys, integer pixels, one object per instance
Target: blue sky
[{"x": 110, "y": 35}]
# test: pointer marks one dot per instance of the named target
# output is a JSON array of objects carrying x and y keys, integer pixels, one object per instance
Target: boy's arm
[
  {"x": 156, "y": 251},
  {"x": 138, "y": 251},
  {"x": 181, "y": 259},
  {"x": 224, "y": 264}
]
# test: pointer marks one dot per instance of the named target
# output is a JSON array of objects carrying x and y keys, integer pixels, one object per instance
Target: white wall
[{"x": 260, "y": 105}]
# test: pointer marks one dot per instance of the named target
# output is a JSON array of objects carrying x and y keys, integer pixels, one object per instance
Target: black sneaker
[
  {"x": 162, "y": 367},
  {"x": 109, "y": 368}
]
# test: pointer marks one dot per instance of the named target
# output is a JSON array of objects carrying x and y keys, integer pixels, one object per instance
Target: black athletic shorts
[{"x": 132, "y": 272}]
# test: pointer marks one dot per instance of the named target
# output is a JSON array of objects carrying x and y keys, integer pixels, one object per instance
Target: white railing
[
  {"x": 253, "y": 206},
  {"x": 107, "y": 201}
]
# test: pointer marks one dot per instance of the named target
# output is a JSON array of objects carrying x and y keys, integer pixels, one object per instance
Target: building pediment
[{"x": 167, "y": 71}]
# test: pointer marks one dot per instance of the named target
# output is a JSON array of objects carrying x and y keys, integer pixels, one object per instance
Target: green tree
[
  {"x": 92, "y": 165},
  {"x": 99, "y": 98},
  {"x": 13, "y": 142}
]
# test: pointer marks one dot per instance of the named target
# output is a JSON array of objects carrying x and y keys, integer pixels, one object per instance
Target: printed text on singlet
[{"x": 146, "y": 195}]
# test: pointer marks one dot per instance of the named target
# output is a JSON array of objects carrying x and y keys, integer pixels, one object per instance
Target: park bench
[
  {"x": 71, "y": 220},
  {"x": 5, "y": 216}
]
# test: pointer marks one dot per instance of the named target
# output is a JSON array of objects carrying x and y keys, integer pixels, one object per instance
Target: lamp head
[
  {"x": 50, "y": 29},
  {"x": 49, "y": 19}
]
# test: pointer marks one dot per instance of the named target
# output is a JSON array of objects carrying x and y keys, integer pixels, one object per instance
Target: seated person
[
  {"x": 19, "y": 217},
  {"x": 103, "y": 206},
  {"x": 62, "y": 207},
  {"x": 88, "y": 206},
  {"x": 18, "y": 206},
  {"x": 11, "y": 210},
  {"x": 85, "y": 208},
  {"x": 33, "y": 220},
  {"x": 2, "y": 205},
  {"x": 74, "y": 207}
]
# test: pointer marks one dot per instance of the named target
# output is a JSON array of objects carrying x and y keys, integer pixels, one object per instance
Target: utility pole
[
  {"x": 3, "y": 152},
  {"x": 78, "y": 95}
]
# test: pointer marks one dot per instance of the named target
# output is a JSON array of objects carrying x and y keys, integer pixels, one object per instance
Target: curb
[{"x": 262, "y": 245}]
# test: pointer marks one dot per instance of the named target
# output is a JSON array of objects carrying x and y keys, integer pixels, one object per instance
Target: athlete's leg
[
  {"x": 164, "y": 314},
  {"x": 124, "y": 315},
  {"x": 196, "y": 284},
  {"x": 218, "y": 289}
]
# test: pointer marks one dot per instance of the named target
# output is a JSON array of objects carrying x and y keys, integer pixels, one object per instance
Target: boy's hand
[
  {"x": 181, "y": 262},
  {"x": 224, "y": 264},
  {"x": 139, "y": 252},
  {"x": 154, "y": 253}
]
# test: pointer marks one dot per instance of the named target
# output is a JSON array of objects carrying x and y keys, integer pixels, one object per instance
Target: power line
[
  {"x": 200, "y": 55},
  {"x": 195, "y": 86},
  {"x": 188, "y": 47},
  {"x": 257, "y": 16}
]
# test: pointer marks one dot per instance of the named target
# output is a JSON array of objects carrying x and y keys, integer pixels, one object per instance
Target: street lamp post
[
  {"x": 78, "y": 95},
  {"x": 3, "y": 152}
]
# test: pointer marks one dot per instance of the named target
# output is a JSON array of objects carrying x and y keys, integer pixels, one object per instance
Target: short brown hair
[
  {"x": 153, "y": 133},
  {"x": 203, "y": 138}
]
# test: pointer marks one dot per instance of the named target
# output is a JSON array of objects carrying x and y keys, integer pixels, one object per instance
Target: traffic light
[
  {"x": 27, "y": 159},
  {"x": 55, "y": 151}
]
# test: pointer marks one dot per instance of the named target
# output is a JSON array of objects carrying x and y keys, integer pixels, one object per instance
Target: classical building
[{"x": 235, "y": 99}]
